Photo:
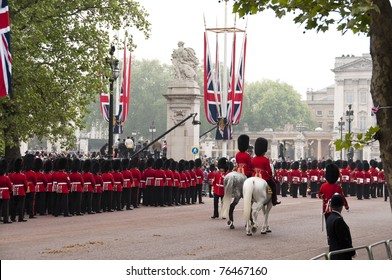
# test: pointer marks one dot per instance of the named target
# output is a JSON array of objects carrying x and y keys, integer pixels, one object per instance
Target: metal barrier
[{"x": 369, "y": 250}]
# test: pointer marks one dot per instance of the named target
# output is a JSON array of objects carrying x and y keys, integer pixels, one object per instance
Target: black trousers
[
  {"x": 17, "y": 207},
  {"x": 126, "y": 198},
  {"x": 135, "y": 196},
  {"x": 40, "y": 200},
  {"x": 176, "y": 195},
  {"x": 29, "y": 203},
  {"x": 216, "y": 205},
  {"x": 97, "y": 202},
  {"x": 75, "y": 203},
  {"x": 168, "y": 195},
  {"x": 302, "y": 189},
  {"x": 193, "y": 194},
  {"x": 199, "y": 193},
  {"x": 117, "y": 200},
  {"x": 285, "y": 187},
  {"x": 50, "y": 202},
  {"x": 87, "y": 202},
  {"x": 61, "y": 204},
  {"x": 359, "y": 191},
  {"x": 345, "y": 186},
  {"x": 107, "y": 197},
  {"x": 5, "y": 209},
  {"x": 366, "y": 191}
]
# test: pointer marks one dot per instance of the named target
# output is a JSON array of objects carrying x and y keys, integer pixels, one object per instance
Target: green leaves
[{"x": 358, "y": 141}]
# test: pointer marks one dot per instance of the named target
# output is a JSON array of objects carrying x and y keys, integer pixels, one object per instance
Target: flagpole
[{"x": 224, "y": 86}]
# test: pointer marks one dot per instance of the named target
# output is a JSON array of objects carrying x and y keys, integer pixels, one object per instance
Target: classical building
[{"x": 338, "y": 109}]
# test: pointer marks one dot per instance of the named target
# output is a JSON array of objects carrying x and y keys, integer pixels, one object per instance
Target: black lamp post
[
  {"x": 114, "y": 66},
  {"x": 152, "y": 130},
  {"x": 350, "y": 118},
  {"x": 341, "y": 124}
]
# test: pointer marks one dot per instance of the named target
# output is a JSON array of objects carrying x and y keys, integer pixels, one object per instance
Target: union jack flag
[
  {"x": 104, "y": 100},
  {"x": 212, "y": 96},
  {"x": 5, "y": 50},
  {"x": 238, "y": 90}
]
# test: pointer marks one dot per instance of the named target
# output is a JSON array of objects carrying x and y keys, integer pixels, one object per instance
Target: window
[
  {"x": 348, "y": 96},
  {"x": 330, "y": 113},
  {"x": 319, "y": 113},
  {"x": 363, "y": 97},
  {"x": 362, "y": 121}
]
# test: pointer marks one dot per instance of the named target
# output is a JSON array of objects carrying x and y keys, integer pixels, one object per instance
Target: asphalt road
[{"x": 188, "y": 233}]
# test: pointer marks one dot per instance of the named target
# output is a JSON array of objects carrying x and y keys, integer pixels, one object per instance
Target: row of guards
[{"x": 362, "y": 179}]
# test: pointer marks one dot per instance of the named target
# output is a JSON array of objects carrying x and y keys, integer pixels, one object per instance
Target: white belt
[
  {"x": 19, "y": 185},
  {"x": 2, "y": 189}
]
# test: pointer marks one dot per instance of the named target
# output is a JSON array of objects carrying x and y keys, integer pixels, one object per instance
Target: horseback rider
[
  {"x": 262, "y": 167},
  {"x": 243, "y": 158}
]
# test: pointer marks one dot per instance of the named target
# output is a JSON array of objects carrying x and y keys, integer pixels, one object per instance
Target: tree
[
  {"x": 373, "y": 17},
  {"x": 58, "y": 49},
  {"x": 265, "y": 101}
]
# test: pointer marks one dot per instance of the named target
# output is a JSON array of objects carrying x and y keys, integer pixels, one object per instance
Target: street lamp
[
  {"x": 350, "y": 118},
  {"x": 152, "y": 130},
  {"x": 341, "y": 124},
  {"x": 114, "y": 66}
]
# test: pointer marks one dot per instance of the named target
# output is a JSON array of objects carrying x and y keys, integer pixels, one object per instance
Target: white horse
[
  {"x": 256, "y": 190},
  {"x": 232, "y": 183}
]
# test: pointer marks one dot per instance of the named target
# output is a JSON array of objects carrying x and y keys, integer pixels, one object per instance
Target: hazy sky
[{"x": 277, "y": 48}]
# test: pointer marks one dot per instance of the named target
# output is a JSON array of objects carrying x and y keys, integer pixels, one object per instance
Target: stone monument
[{"x": 183, "y": 98}]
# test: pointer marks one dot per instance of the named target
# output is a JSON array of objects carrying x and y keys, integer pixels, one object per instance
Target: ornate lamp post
[
  {"x": 350, "y": 118},
  {"x": 152, "y": 130},
  {"x": 341, "y": 124},
  {"x": 114, "y": 66}
]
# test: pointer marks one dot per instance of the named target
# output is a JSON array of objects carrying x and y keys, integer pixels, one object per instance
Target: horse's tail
[
  {"x": 228, "y": 185},
  {"x": 247, "y": 194}
]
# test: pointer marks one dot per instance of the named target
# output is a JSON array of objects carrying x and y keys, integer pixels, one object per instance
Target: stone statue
[{"x": 185, "y": 63}]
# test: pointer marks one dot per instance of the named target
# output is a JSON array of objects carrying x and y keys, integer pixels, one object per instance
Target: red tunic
[
  {"x": 118, "y": 181},
  {"x": 136, "y": 176},
  {"x": 107, "y": 181},
  {"x": 149, "y": 174},
  {"x": 374, "y": 173},
  {"x": 5, "y": 187},
  {"x": 31, "y": 180},
  {"x": 244, "y": 163},
  {"x": 199, "y": 176},
  {"x": 41, "y": 182},
  {"x": 327, "y": 190},
  {"x": 345, "y": 175},
  {"x": 128, "y": 178},
  {"x": 169, "y": 177},
  {"x": 210, "y": 177},
  {"x": 63, "y": 183},
  {"x": 49, "y": 180},
  {"x": 19, "y": 184},
  {"x": 98, "y": 183},
  {"x": 261, "y": 168},
  {"x": 176, "y": 179},
  {"x": 89, "y": 182},
  {"x": 284, "y": 176},
  {"x": 295, "y": 177},
  {"x": 193, "y": 178},
  {"x": 160, "y": 178},
  {"x": 77, "y": 182},
  {"x": 218, "y": 183}
]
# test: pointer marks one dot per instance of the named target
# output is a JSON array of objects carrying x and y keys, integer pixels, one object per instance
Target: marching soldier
[
  {"x": 40, "y": 187},
  {"x": 219, "y": 190},
  {"x": 136, "y": 178},
  {"x": 149, "y": 173},
  {"x": 176, "y": 183},
  {"x": 127, "y": 188},
  {"x": 314, "y": 179},
  {"x": 160, "y": 180},
  {"x": 345, "y": 177},
  {"x": 183, "y": 179},
  {"x": 352, "y": 187},
  {"x": 295, "y": 176},
  {"x": 359, "y": 177},
  {"x": 107, "y": 186},
  {"x": 5, "y": 192},
  {"x": 118, "y": 185},
  {"x": 63, "y": 186},
  {"x": 77, "y": 183},
  {"x": 97, "y": 191},
  {"x": 142, "y": 189},
  {"x": 374, "y": 174},
  {"x": 192, "y": 189},
  {"x": 210, "y": 178},
  {"x": 31, "y": 178},
  {"x": 367, "y": 180},
  {"x": 199, "y": 180},
  {"x": 88, "y": 187},
  {"x": 284, "y": 179},
  {"x": 51, "y": 191},
  {"x": 19, "y": 187},
  {"x": 169, "y": 183},
  {"x": 304, "y": 179}
]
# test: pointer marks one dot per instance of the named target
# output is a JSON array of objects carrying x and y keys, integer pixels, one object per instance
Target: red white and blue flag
[
  {"x": 238, "y": 89},
  {"x": 5, "y": 50},
  {"x": 104, "y": 102}
]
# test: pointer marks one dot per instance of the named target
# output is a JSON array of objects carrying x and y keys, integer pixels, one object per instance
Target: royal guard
[
  {"x": 381, "y": 186},
  {"x": 126, "y": 199},
  {"x": 97, "y": 190},
  {"x": 321, "y": 173},
  {"x": 63, "y": 187},
  {"x": 345, "y": 177},
  {"x": 149, "y": 173},
  {"x": 192, "y": 189},
  {"x": 262, "y": 167},
  {"x": 28, "y": 163},
  {"x": 176, "y": 183},
  {"x": 40, "y": 187},
  {"x": 160, "y": 180},
  {"x": 210, "y": 179},
  {"x": 359, "y": 177},
  {"x": 19, "y": 187},
  {"x": 142, "y": 189},
  {"x": 219, "y": 190},
  {"x": 374, "y": 175},
  {"x": 328, "y": 189},
  {"x": 187, "y": 183},
  {"x": 367, "y": 179},
  {"x": 77, "y": 183},
  {"x": 118, "y": 185},
  {"x": 199, "y": 180},
  {"x": 353, "y": 184},
  {"x": 243, "y": 159},
  {"x": 284, "y": 178},
  {"x": 136, "y": 177},
  {"x": 169, "y": 183},
  {"x": 295, "y": 179},
  {"x": 88, "y": 187},
  {"x": 304, "y": 179},
  {"x": 183, "y": 179},
  {"x": 51, "y": 191},
  {"x": 278, "y": 170},
  {"x": 5, "y": 192},
  {"x": 107, "y": 186}
]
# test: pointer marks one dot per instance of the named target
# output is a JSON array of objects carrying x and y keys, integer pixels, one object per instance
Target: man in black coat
[{"x": 338, "y": 232}]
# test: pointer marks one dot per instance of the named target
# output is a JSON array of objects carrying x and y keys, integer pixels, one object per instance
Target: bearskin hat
[
  {"x": 173, "y": 165},
  {"x": 304, "y": 166},
  {"x": 321, "y": 165},
  {"x": 134, "y": 162},
  {"x": 62, "y": 163},
  {"x": 150, "y": 162},
  {"x": 284, "y": 165},
  {"x": 37, "y": 165},
  {"x": 295, "y": 165},
  {"x": 243, "y": 143},
  {"x": 197, "y": 163},
  {"x": 261, "y": 146},
  {"x": 87, "y": 165},
  {"x": 167, "y": 164},
  {"x": 222, "y": 164},
  {"x": 96, "y": 167},
  {"x": 344, "y": 164},
  {"x": 191, "y": 164},
  {"x": 212, "y": 167},
  {"x": 278, "y": 165},
  {"x": 332, "y": 173},
  {"x": 125, "y": 163},
  {"x": 353, "y": 165},
  {"x": 48, "y": 166},
  {"x": 158, "y": 163},
  {"x": 76, "y": 165},
  {"x": 3, "y": 167},
  {"x": 142, "y": 165},
  {"x": 314, "y": 164},
  {"x": 181, "y": 165},
  {"x": 28, "y": 162},
  {"x": 373, "y": 163},
  {"x": 360, "y": 166},
  {"x": 366, "y": 165},
  {"x": 380, "y": 165},
  {"x": 106, "y": 166},
  {"x": 116, "y": 164},
  {"x": 18, "y": 165}
]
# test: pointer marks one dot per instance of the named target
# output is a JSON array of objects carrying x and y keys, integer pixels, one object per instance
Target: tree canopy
[{"x": 58, "y": 50}]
